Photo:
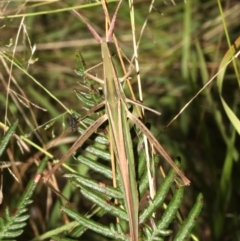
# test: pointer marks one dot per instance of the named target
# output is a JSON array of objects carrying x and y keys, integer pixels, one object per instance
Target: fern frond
[{"x": 11, "y": 225}]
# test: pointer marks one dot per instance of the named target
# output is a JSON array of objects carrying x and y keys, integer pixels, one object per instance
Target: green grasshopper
[{"x": 117, "y": 114}]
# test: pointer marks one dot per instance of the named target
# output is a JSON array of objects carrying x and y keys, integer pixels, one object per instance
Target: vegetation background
[{"x": 181, "y": 48}]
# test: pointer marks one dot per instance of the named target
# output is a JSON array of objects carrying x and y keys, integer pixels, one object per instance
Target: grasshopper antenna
[
  {"x": 111, "y": 27},
  {"x": 92, "y": 30},
  {"x": 112, "y": 24}
]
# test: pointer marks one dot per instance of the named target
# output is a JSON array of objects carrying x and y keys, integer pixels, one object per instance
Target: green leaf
[
  {"x": 96, "y": 227},
  {"x": 159, "y": 198},
  {"x": 94, "y": 186},
  {"x": 186, "y": 228},
  {"x": 230, "y": 56},
  {"x": 4, "y": 141}
]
